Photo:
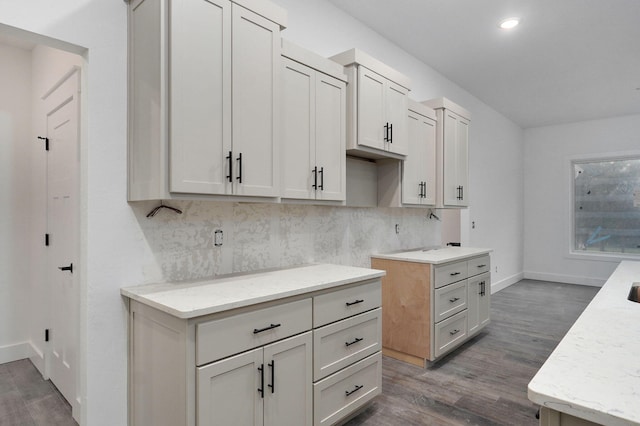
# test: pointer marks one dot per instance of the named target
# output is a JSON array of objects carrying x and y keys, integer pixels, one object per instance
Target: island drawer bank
[
  {"x": 434, "y": 300},
  {"x": 297, "y": 346}
]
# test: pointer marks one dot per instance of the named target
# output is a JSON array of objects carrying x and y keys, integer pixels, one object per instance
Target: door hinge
[
  {"x": 46, "y": 142},
  {"x": 46, "y": 240},
  {"x": 46, "y": 334}
]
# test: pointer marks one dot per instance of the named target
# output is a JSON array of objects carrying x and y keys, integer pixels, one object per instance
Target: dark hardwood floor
[{"x": 484, "y": 382}]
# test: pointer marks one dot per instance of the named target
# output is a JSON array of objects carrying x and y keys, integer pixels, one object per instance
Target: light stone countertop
[
  {"x": 434, "y": 256},
  {"x": 195, "y": 298},
  {"x": 594, "y": 372}
]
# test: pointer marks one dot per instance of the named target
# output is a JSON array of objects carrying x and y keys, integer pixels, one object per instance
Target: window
[{"x": 606, "y": 206}]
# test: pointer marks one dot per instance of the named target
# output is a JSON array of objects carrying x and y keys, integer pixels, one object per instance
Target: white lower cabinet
[
  {"x": 263, "y": 364},
  {"x": 265, "y": 386}
]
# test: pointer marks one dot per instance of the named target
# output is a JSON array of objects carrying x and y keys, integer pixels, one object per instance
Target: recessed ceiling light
[{"x": 509, "y": 23}]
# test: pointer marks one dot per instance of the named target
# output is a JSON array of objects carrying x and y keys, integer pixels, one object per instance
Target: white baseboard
[
  {"x": 504, "y": 283},
  {"x": 37, "y": 358},
  {"x": 15, "y": 352},
  {"x": 567, "y": 279}
]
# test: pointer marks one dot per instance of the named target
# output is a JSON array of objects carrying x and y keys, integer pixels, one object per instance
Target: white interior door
[{"x": 62, "y": 106}]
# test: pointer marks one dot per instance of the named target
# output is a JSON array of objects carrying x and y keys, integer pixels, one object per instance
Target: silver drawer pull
[
  {"x": 355, "y": 302},
  {"x": 481, "y": 266},
  {"x": 453, "y": 274},
  {"x": 455, "y": 299},
  {"x": 356, "y": 389},
  {"x": 271, "y": 327},
  {"x": 456, "y": 331},
  {"x": 358, "y": 339}
]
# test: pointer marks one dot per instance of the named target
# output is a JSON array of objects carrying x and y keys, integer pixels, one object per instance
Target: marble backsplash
[{"x": 259, "y": 236}]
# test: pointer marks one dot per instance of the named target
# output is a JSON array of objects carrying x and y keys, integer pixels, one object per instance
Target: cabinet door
[
  {"x": 200, "y": 96},
  {"x": 255, "y": 89},
  {"x": 330, "y": 138},
  {"x": 396, "y": 104},
  {"x": 227, "y": 391},
  {"x": 429, "y": 165},
  {"x": 455, "y": 179},
  {"x": 371, "y": 109},
  {"x": 462, "y": 159},
  {"x": 479, "y": 296},
  {"x": 413, "y": 166},
  {"x": 288, "y": 384},
  {"x": 298, "y": 124}
]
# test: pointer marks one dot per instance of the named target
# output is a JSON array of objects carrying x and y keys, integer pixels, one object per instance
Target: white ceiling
[{"x": 568, "y": 60}]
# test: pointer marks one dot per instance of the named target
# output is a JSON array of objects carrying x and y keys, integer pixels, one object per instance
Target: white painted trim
[
  {"x": 569, "y": 218},
  {"x": 37, "y": 359},
  {"x": 15, "y": 352},
  {"x": 567, "y": 279},
  {"x": 62, "y": 80},
  {"x": 504, "y": 283}
]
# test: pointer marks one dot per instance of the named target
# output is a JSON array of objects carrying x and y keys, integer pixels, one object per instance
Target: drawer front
[
  {"x": 342, "y": 343},
  {"x": 450, "y": 273},
  {"x": 450, "y": 332},
  {"x": 334, "y": 306},
  {"x": 227, "y": 336},
  {"x": 479, "y": 265},
  {"x": 344, "y": 392},
  {"x": 450, "y": 300}
]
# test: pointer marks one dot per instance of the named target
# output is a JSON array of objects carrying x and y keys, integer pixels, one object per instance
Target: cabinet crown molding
[
  {"x": 313, "y": 60},
  {"x": 422, "y": 109},
  {"x": 439, "y": 103},
  {"x": 358, "y": 57}
]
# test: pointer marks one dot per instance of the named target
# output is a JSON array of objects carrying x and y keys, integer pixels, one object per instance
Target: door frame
[{"x": 78, "y": 275}]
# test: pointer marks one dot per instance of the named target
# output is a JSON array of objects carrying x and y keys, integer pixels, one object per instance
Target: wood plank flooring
[{"x": 484, "y": 382}]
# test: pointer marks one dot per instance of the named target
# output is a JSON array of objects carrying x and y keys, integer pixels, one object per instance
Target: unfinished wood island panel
[
  {"x": 434, "y": 300},
  {"x": 406, "y": 297}
]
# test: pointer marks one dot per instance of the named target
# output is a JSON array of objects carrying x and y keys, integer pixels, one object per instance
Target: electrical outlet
[
  {"x": 397, "y": 228},
  {"x": 473, "y": 225},
  {"x": 217, "y": 238},
  {"x": 496, "y": 269}
]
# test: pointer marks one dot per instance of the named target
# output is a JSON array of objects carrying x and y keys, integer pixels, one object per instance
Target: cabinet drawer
[
  {"x": 450, "y": 332},
  {"x": 478, "y": 265},
  {"x": 227, "y": 336},
  {"x": 344, "y": 303},
  {"x": 346, "y": 391},
  {"x": 450, "y": 300},
  {"x": 450, "y": 273},
  {"x": 342, "y": 343}
]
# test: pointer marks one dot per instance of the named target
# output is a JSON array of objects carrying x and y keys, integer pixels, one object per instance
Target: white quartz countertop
[
  {"x": 434, "y": 256},
  {"x": 196, "y": 298},
  {"x": 594, "y": 372}
]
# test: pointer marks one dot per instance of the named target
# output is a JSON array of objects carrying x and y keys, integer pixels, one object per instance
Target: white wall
[
  {"x": 547, "y": 189},
  {"x": 495, "y": 147},
  {"x": 15, "y": 141},
  {"x": 122, "y": 247}
]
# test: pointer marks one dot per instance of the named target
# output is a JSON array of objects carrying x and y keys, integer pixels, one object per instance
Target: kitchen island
[
  {"x": 434, "y": 300},
  {"x": 593, "y": 375}
]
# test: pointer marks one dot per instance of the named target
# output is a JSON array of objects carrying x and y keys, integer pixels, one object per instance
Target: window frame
[{"x": 570, "y": 162}]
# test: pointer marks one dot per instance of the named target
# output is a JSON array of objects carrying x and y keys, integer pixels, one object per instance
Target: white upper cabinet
[
  {"x": 376, "y": 107},
  {"x": 313, "y": 126},
  {"x": 452, "y": 143},
  {"x": 419, "y": 168},
  {"x": 412, "y": 182},
  {"x": 204, "y": 98}
]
